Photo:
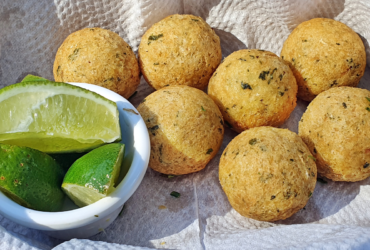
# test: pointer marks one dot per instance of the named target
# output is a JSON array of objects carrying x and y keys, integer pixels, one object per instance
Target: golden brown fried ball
[
  {"x": 100, "y": 57},
  {"x": 336, "y": 129},
  {"x": 267, "y": 173},
  {"x": 324, "y": 53},
  {"x": 185, "y": 129},
  {"x": 253, "y": 88},
  {"x": 179, "y": 50}
]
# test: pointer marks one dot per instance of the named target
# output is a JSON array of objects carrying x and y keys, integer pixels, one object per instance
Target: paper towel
[
  {"x": 95, "y": 245},
  {"x": 336, "y": 217}
]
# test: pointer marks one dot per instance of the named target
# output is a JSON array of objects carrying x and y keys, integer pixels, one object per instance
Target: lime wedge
[
  {"x": 56, "y": 117},
  {"x": 32, "y": 78},
  {"x": 31, "y": 178},
  {"x": 93, "y": 176}
]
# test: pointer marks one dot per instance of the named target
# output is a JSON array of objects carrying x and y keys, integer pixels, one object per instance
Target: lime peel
[
  {"x": 93, "y": 176},
  {"x": 31, "y": 178}
]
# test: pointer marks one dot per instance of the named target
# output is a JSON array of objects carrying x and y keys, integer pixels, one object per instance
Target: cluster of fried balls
[{"x": 267, "y": 173}]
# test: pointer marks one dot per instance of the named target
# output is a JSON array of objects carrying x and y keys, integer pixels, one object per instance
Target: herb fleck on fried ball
[
  {"x": 185, "y": 129},
  {"x": 100, "y": 57},
  {"x": 267, "y": 173},
  {"x": 324, "y": 53},
  {"x": 253, "y": 88},
  {"x": 179, "y": 50},
  {"x": 336, "y": 129}
]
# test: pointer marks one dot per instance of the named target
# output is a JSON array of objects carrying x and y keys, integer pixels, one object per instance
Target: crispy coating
[
  {"x": 179, "y": 50},
  {"x": 267, "y": 173},
  {"x": 324, "y": 53},
  {"x": 185, "y": 129},
  {"x": 253, "y": 88},
  {"x": 100, "y": 57},
  {"x": 336, "y": 129}
]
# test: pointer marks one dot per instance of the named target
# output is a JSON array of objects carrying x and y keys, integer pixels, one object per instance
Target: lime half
[
  {"x": 31, "y": 178},
  {"x": 56, "y": 117},
  {"x": 93, "y": 176}
]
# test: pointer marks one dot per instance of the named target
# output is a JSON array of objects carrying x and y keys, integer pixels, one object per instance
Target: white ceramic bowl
[{"x": 90, "y": 220}]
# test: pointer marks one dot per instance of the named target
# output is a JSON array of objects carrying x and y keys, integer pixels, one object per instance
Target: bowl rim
[{"x": 79, "y": 217}]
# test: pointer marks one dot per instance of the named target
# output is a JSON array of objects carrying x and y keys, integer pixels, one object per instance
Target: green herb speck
[
  {"x": 175, "y": 194},
  {"x": 263, "y": 75},
  {"x": 344, "y": 105},
  {"x": 368, "y": 109},
  {"x": 202, "y": 108},
  {"x": 153, "y": 129},
  {"x": 171, "y": 176},
  {"x": 367, "y": 98},
  {"x": 281, "y": 93},
  {"x": 209, "y": 151},
  {"x": 74, "y": 55},
  {"x": 310, "y": 194},
  {"x": 253, "y": 141},
  {"x": 313, "y": 158},
  {"x": 155, "y": 37},
  {"x": 334, "y": 83},
  {"x": 155, "y": 63},
  {"x": 366, "y": 165},
  {"x": 246, "y": 86},
  {"x": 195, "y": 20},
  {"x": 221, "y": 121}
]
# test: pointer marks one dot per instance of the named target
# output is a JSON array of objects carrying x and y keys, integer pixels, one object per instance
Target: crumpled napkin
[{"x": 336, "y": 217}]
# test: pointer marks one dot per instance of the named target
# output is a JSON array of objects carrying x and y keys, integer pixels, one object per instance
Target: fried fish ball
[
  {"x": 253, "y": 88},
  {"x": 336, "y": 129},
  {"x": 324, "y": 53},
  {"x": 185, "y": 129},
  {"x": 179, "y": 50},
  {"x": 98, "y": 56},
  {"x": 267, "y": 173}
]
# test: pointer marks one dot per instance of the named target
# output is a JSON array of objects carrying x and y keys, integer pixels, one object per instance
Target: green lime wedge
[
  {"x": 93, "y": 176},
  {"x": 32, "y": 78},
  {"x": 31, "y": 178},
  {"x": 56, "y": 117}
]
